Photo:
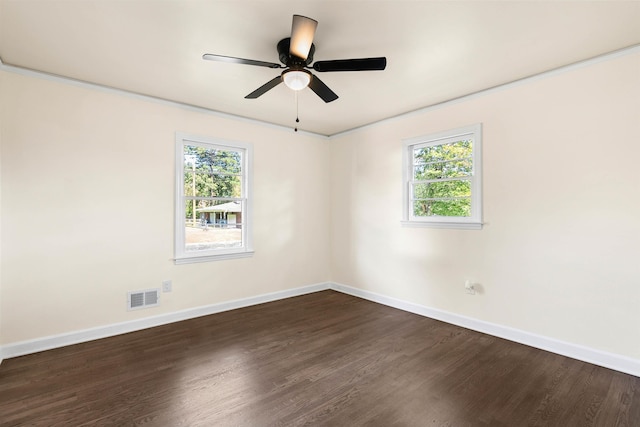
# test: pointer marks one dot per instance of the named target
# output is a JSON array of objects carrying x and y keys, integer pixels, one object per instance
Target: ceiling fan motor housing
[{"x": 291, "y": 60}]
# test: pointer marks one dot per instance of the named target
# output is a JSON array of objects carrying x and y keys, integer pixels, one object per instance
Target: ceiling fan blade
[
  {"x": 362, "y": 64},
  {"x": 302, "y": 31},
  {"x": 322, "y": 90},
  {"x": 234, "y": 60},
  {"x": 265, "y": 88}
]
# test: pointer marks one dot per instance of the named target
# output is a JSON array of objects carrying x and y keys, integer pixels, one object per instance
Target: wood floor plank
[{"x": 324, "y": 359}]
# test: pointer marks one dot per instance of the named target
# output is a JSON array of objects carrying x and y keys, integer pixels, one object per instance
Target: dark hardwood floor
[{"x": 324, "y": 359}]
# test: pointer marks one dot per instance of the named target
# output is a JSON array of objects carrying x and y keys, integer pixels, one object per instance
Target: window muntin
[
  {"x": 212, "y": 199},
  {"x": 442, "y": 179}
]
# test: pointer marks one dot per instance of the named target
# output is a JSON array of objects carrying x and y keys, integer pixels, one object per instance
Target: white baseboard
[
  {"x": 76, "y": 337},
  {"x": 585, "y": 354},
  {"x": 608, "y": 360}
]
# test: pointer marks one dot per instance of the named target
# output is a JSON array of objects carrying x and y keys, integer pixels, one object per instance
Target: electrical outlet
[{"x": 166, "y": 286}]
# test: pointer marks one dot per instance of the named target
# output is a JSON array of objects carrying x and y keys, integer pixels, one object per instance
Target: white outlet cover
[{"x": 166, "y": 286}]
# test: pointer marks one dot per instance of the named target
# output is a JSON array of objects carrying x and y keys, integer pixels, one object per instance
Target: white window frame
[
  {"x": 471, "y": 222},
  {"x": 181, "y": 255}
]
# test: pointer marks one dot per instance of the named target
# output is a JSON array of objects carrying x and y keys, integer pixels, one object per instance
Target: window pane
[
  {"x": 212, "y": 160},
  {"x": 203, "y": 184},
  {"x": 443, "y": 152},
  {"x": 440, "y": 170},
  {"x": 215, "y": 225},
  {"x": 225, "y": 186},
  {"x": 190, "y": 213},
  {"x": 444, "y": 189},
  {"x": 190, "y": 186},
  {"x": 458, "y": 207}
]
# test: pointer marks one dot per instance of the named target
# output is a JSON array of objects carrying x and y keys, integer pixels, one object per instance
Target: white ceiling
[{"x": 436, "y": 50}]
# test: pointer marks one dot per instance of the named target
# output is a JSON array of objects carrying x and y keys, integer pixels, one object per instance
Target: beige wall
[
  {"x": 559, "y": 254},
  {"x": 3, "y": 106},
  {"x": 87, "y": 209}
]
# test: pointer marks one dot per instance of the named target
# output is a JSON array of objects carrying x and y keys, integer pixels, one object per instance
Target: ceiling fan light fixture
[{"x": 296, "y": 79}]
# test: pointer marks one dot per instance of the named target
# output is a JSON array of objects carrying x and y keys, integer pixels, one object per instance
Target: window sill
[
  {"x": 443, "y": 224},
  {"x": 209, "y": 258}
]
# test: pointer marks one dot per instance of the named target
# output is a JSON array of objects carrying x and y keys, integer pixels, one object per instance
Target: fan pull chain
[{"x": 297, "y": 118}]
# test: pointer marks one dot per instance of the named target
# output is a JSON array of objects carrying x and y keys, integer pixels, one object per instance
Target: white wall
[
  {"x": 2, "y": 113},
  {"x": 559, "y": 254},
  {"x": 87, "y": 209}
]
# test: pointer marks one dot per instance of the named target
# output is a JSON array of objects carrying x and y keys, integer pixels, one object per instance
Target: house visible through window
[
  {"x": 442, "y": 179},
  {"x": 212, "y": 199}
]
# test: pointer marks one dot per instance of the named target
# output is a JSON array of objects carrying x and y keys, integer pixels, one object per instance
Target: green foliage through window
[
  {"x": 211, "y": 172},
  {"x": 441, "y": 184}
]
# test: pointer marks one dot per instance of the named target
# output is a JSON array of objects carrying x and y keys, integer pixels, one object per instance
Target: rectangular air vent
[{"x": 143, "y": 299}]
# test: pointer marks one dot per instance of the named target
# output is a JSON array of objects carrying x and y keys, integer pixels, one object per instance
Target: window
[
  {"x": 213, "y": 203},
  {"x": 442, "y": 179}
]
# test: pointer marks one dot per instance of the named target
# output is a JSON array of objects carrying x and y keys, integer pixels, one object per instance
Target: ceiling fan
[{"x": 296, "y": 53}]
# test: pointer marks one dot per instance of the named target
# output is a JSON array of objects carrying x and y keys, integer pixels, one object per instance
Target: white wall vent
[{"x": 143, "y": 299}]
